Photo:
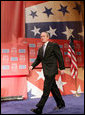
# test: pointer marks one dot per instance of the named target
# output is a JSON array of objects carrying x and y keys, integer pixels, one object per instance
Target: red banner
[{"x": 13, "y": 56}]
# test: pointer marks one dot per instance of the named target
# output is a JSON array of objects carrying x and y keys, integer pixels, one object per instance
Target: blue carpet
[{"x": 74, "y": 105}]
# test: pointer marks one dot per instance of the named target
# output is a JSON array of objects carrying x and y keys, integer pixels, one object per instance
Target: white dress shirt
[{"x": 44, "y": 47}]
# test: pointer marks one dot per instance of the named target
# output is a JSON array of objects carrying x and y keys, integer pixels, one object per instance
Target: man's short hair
[{"x": 48, "y": 35}]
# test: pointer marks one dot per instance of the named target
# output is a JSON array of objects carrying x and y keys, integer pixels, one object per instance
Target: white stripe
[
  {"x": 69, "y": 54},
  {"x": 72, "y": 72},
  {"x": 57, "y": 17},
  {"x": 70, "y": 47},
  {"x": 74, "y": 76},
  {"x": 76, "y": 73},
  {"x": 74, "y": 57},
  {"x": 69, "y": 50},
  {"x": 74, "y": 63}
]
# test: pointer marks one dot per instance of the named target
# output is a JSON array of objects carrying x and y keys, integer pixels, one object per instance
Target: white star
[
  {"x": 60, "y": 83},
  {"x": 41, "y": 75},
  {"x": 36, "y": 31},
  {"x": 52, "y": 32},
  {"x": 68, "y": 32},
  {"x": 78, "y": 90},
  {"x": 34, "y": 90},
  {"x": 82, "y": 33}
]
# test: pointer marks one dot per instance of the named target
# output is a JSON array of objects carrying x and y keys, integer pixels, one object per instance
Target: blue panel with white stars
[{"x": 33, "y": 30}]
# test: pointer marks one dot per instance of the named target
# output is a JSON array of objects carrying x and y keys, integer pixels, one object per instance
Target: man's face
[{"x": 44, "y": 37}]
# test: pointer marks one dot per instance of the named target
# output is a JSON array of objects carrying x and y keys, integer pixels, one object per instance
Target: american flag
[{"x": 72, "y": 56}]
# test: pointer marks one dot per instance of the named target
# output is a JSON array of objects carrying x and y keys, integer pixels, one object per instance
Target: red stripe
[
  {"x": 74, "y": 61},
  {"x": 6, "y": 76},
  {"x": 31, "y": 3},
  {"x": 74, "y": 64},
  {"x": 73, "y": 74},
  {"x": 69, "y": 56}
]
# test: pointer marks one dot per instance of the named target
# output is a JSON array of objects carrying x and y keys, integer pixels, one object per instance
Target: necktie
[{"x": 43, "y": 50}]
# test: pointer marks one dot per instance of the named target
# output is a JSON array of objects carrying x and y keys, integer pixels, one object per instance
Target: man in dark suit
[{"x": 48, "y": 55}]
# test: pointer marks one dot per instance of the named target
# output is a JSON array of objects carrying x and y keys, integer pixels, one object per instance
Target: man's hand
[
  {"x": 30, "y": 68},
  {"x": 62, "y": 72}
]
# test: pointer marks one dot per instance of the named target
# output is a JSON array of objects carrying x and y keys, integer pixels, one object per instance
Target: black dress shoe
[
  {"x": 59, "y": 107},
  {"x": 37, "y": 111}
]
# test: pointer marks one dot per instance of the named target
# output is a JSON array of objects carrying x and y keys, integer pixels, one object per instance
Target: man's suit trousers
[{"x": 50, "y": 86}]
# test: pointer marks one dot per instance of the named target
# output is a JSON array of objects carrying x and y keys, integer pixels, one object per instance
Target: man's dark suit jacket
[{"x": 49, "y": 61}]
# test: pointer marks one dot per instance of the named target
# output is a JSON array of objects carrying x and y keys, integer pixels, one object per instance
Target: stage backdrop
[
  {"x": 61, "y": 19},
  {"x": 20, "y": 41}
]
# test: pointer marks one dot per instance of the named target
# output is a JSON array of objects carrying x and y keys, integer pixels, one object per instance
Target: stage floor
[{"x": 74, "y": 105}]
